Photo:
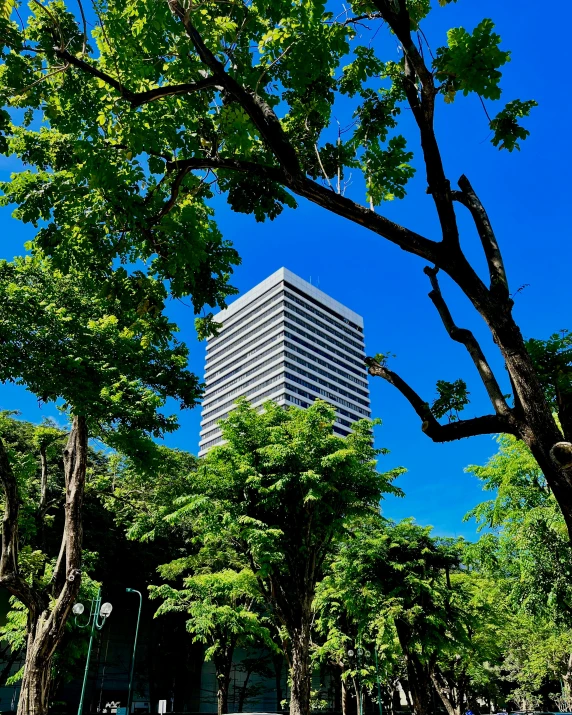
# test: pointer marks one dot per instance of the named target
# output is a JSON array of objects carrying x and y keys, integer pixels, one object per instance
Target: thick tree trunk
[
  {"x": 300, "y": 674},
  {"x": 223, "y": 665},
  {"x": 243, "y": 691},
  {"x": 567, "y": 683},
  {"x": 420, "y": 684},
  {"x": 452, "y": 693},
  {"x": 35, "y": 689},
  {"x": 48, "y": 609},
  {"x": 222, "y": 696},
  {"x": 345, "y": 695}
]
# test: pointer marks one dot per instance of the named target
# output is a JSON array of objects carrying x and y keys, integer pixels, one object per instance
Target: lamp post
[
  {"x": 130, "y": 691},
  {"x": 97, "y": 611},
  {"x": 358, "y": 653}
]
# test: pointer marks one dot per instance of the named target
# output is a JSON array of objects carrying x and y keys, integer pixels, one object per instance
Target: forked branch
[
  {"x": 471, "y": 201},
  {"x": 487, "y": 424},
  {"x": 466, "y": 338},
  {"x": 259, "y": 111}
]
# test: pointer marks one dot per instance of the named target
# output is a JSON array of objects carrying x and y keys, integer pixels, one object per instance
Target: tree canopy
[{"x": 128, "y": 131}]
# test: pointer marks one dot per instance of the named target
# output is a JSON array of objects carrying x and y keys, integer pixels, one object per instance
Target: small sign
[
  {"x": 121, "y": 711},
  {"x": 162, "y": 706}
]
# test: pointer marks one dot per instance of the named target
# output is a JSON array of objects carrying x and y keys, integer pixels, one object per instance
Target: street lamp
[
  {"x": 98, "y": 614},
  {"x": 358, "y": 654},
  {"x": 130, "y": 691}
]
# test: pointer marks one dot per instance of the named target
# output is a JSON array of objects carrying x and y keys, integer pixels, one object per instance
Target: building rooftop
[{"x": 283, "y": 274}]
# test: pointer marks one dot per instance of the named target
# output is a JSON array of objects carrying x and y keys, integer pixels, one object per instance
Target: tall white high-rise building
[{"x": 285, "y": 340}]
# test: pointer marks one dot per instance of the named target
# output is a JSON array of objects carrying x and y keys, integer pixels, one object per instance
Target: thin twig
[
  {"x": 322, "y": 168},
  {"x": 59, "y": 70},
  {"x": 267, "y": 69},
  {"x": 84, "y": 27},
  {"x": 483, "y": 103}
]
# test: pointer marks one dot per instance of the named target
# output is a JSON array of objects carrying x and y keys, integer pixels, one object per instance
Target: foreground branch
[
  {"x": 466, "y": 338},
  {"x": 471, "y": 201},
  {"x": 136, "y": 99},
  {"x": 342, "y": 206},
  {"x": 487, "y": 424},
  {"x": 420, "y": 90},
  {"x": 259, "y": 111}
]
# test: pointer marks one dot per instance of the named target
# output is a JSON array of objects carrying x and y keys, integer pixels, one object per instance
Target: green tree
[
  {"x": 112, "y": 365},
  {"x": 412, "y": 580},
  {"x": 281, "y": 491},
  {"x": 348, "y": 617},
  {"x": 224, "y": 612},
  {"x": 35, "y": 454},
  {"x": 526, "y": 554},
  {"x": 124, "y": 131}
]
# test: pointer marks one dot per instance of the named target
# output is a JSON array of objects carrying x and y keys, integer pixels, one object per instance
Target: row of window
[
  {"x": 211, "y": 393},
  {"x": 244, "y": 359},
  {"x": 325, "y": 336},
  {"x": 352, "y": 388},
  {"x": 322, "y": 306},
  {"x": 314, "y": 341},
  {"x": 324, "y": 326},
  {"x": 311, "y": 309},
  {"x": 216, "y": 404},
  {"x": 327, "y": 394},
  {"x": 246, "y": 338},
  {"x": 214, "y": 350},
  {"x": 327, "y": 384},
  {"x": 238, "y": 319},
  {"x": 246, "y": 394},
  {"x": 321, "y": 362},
  {"x": 212, "y": 443}
]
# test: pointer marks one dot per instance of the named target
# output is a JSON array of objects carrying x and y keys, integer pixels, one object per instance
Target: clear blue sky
[{"x": 527, "y": 197}]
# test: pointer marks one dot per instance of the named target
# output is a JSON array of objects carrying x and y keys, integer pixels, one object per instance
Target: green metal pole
[
  {"x": 378, "y": 684},
  {"x": 94, "y": 612},
  {"x": 130, "y": 692}
]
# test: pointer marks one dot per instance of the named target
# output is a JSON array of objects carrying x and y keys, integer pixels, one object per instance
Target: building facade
[{"x": 287, "y": 341}]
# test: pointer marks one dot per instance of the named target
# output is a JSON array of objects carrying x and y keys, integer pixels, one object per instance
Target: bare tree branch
[
  {"x": 470, "y": 200},
  {"x": 466, "y": 338},
  {"x": 487, "y": 424},
  {"x": 360, "y": 18}
]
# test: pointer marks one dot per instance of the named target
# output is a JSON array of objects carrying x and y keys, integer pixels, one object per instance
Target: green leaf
[
  {"x": 471, "y": 62},
  {"x": 506, "y": 127}
]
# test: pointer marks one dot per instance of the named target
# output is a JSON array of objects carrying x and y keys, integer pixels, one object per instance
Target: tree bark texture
[
  {"x": 345, "y": 695},
  {"x": 223, "y": 665},
  {"x": 300, "y": 673},
  {"x": 48, "y": 609},
  {"x": 451, "y": 695},
  {"x": 420, "y": 684}
]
